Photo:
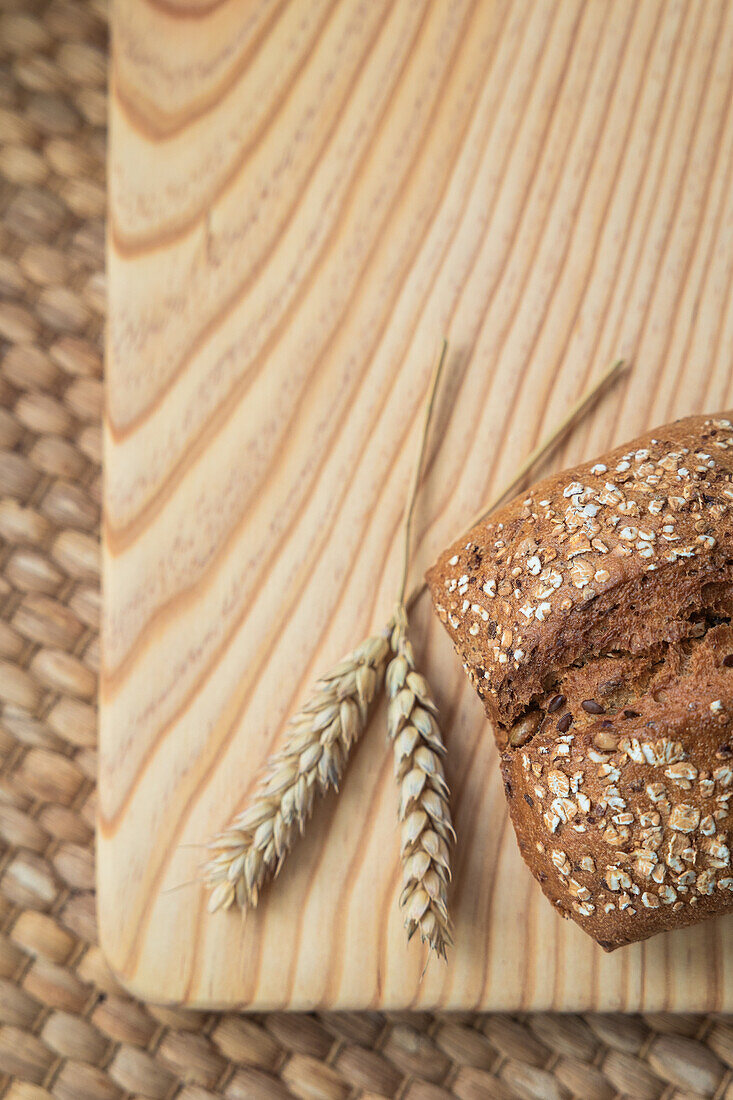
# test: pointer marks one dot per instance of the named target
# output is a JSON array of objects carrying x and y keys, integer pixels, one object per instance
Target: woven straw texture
[{"x": 66, "y": 1027}]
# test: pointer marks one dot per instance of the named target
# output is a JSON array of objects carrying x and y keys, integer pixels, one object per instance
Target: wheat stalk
[
  {"x": 251, "y": 850},
  {"x": 424, "y": 811},
  {"x": 574, "y": 414}
]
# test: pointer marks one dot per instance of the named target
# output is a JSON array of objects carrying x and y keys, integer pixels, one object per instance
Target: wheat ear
[
  {"x": 424, "y": 811},
  {"x": 251, "y": 851}
]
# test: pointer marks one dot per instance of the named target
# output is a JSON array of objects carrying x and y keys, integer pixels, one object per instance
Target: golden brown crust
[{"x": 593, "y": 616}]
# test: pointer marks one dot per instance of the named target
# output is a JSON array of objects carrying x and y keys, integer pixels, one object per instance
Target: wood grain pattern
[{"x": 303, "y": 199}]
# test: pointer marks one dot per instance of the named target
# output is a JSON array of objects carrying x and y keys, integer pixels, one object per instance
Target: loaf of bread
[{"x": 594, "y": 616}]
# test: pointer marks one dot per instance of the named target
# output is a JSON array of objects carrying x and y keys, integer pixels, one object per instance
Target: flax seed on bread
[{"x": 592, "y": 614}]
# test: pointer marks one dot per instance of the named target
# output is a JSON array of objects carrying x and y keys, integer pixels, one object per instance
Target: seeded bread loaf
[{"x": 594, "y": 616}]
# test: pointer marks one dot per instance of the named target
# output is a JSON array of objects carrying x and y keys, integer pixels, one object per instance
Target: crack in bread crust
[{"x": 614, "y": 680}]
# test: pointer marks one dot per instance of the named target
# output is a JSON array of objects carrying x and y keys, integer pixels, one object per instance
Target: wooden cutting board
[{"x": 304, "y": 197}]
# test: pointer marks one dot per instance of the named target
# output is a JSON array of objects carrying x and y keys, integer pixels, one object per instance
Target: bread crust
[
  {"x": 593, "y": 616},
  {"x": 625, "y": 820}
]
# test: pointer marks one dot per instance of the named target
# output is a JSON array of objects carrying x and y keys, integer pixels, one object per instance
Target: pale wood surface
[{"x": 304, "y": 198}]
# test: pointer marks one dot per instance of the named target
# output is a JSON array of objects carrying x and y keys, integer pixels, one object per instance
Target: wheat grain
[
  {"x": 251, "y": 851},
  {"x": 424, "y": 811}
]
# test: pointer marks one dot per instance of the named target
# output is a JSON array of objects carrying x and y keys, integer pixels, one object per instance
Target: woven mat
[{"x": 66, "y": 1028}]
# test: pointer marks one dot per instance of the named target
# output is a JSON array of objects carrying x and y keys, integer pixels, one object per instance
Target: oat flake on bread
[{"x": 593, "y": 615}]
